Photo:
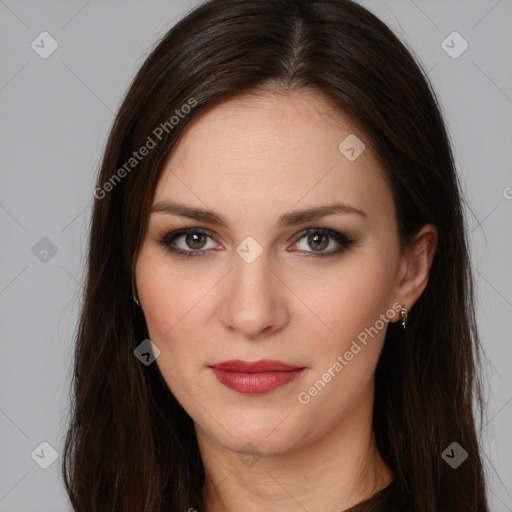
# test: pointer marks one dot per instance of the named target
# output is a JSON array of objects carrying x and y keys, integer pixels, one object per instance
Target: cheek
[
  {"x": 174, "y": 297},
  {"x": 174, "y": 308},
  {"x": 345, "y": 356},
  {"x": 344, "y": 300},
  {"x": 174, "y": 305},
  {"x": 349, "y": 333}
]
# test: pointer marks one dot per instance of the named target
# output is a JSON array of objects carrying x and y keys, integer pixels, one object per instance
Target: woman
[{"x": 278, "y": 212}]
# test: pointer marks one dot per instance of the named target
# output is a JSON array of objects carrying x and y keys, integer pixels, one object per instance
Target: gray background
[{"x": 54, "y": 118}]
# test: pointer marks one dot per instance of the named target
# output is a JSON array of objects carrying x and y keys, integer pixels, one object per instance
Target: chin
[
  {"x": 260, "y": 444},
  {"x": 258, "y": 435}
]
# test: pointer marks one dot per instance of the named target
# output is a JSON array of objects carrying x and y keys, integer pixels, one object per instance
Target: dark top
[{"x": 385, "y": 500}]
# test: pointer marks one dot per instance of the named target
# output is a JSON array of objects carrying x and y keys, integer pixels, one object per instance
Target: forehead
[
  {"x": 257, "y": 150},
  {"x": 265, "y": 125}
]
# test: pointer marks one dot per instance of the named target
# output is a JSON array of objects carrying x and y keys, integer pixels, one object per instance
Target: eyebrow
[{"x": 288, "y": 219}]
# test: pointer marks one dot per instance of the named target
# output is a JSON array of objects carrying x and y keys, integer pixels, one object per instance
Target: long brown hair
[{"x": 130, "y": 445}]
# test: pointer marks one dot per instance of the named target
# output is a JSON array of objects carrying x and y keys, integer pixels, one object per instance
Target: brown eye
[
  {"x": 195, "y": 240},
  {"x": 189, "y": 242},
  {"x": 322, "y": 243},
  {"x": 318, "y": 242}
]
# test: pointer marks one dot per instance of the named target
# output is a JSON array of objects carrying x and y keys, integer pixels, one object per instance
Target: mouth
[{"x": 256, "y": 377}]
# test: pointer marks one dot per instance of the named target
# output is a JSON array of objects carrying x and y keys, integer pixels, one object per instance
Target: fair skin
[{"x": 252, "y": 160}]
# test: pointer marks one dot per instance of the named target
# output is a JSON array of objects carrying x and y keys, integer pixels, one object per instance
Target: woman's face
[{"x": 271, "y": 281}]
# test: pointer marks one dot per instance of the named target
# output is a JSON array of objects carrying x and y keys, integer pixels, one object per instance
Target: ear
[{"x": 416, "y": 261}]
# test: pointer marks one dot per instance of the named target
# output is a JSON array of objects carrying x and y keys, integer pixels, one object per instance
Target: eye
[
  {"x": 194, "y": 242},
  {"x": 321, "y": 239}
]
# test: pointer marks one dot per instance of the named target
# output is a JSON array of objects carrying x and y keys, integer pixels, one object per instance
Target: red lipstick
[{"x": 255, "y": 377}]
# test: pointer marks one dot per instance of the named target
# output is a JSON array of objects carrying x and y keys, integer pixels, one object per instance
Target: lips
[
  {"x": 265, "y": 365},
  {"x": 255, "y": 377}
]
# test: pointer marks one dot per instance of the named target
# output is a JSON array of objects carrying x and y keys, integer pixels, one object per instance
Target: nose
[{"x": 255, "y": 298}]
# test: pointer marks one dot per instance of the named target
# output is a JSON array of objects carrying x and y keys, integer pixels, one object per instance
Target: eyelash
[{"x": 344, "y": 241}]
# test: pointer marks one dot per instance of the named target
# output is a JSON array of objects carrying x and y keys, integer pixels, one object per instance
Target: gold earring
[
  {"x": 133, "y": 293},
  {"x": 403, "y": 316}
]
